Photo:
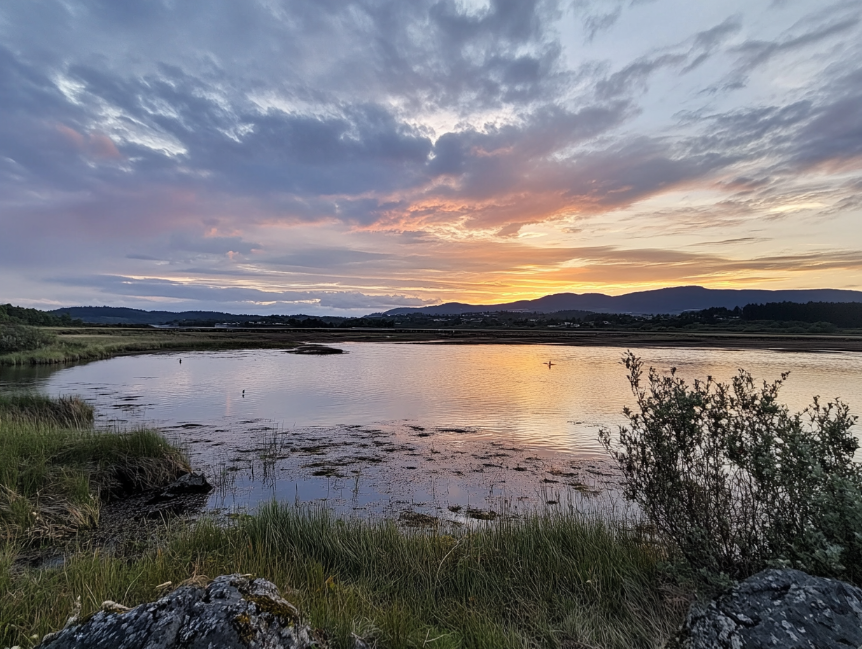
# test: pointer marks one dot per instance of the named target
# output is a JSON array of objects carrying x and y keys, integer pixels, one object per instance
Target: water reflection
[{"x": 397, "y": 426}]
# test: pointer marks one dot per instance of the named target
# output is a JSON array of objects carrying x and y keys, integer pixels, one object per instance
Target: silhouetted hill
[
  {"x": 840, "y": 314},
  {"x": 21, "y": 315},
  {"x": 122, "y": 315},
  {"x": 664, "y": 300}
]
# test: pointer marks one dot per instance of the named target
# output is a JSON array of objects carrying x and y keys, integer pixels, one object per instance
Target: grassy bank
[
  {"x": 55, "y": 470},
  {"x": 95, "y": 343},
  {"x": 76, "y": 344},
  {"x": 547, "y": 581},
  {"x": 70, "y": 412}
]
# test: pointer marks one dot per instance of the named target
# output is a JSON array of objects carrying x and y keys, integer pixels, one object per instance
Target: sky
[{"x": 351, "y": 156}]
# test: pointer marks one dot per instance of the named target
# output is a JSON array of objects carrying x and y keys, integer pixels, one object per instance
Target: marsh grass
[
  {"x": 70, "y": 411},
  {"x": 88, "y": 344},
  {"x": 55, "y": 472},
  {"x": 542, "y": 581}
]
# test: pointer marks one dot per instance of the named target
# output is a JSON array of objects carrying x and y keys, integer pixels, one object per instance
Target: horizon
[
  {"x": 296, "y": 157},
  {"x": 382, "y": 313}
]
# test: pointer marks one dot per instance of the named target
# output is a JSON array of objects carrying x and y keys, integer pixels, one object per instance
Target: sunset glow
[{"x": 356, "y": 156}]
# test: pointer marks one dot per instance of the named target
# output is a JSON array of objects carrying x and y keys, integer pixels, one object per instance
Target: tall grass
[
  {"x": 83, "y": 344},
  {"x": 72, "y": 412},
  {"x": 544, "y": 581},
  {"x": 54, "y": 473}
]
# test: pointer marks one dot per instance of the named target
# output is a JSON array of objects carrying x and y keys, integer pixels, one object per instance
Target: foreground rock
[
  {"x": 233, "y": 612},
  {"x": 777, "y": 608},
  {"x": 188, "y": 483}
]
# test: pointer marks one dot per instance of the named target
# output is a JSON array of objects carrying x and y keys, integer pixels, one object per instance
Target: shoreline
[{"x": 99, "y": 343}]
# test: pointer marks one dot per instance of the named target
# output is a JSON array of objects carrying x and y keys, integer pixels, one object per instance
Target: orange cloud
[{"x": 94, "y": 144}]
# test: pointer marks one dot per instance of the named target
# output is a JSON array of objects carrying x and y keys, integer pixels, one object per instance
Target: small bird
[
  {"x": 181, "y": 361},
  {"x": 549, "y": 364}
]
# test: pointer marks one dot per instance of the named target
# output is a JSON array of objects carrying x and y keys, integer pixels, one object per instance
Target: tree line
[{"x": 841, "y": 314}]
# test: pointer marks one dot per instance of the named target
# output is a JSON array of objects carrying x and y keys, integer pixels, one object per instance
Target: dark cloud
[
  {"x": 834, "y": 133},
  {"x": 151, "y": 289},
  {"x": 819, "y": 28},
  {"x": 707, "y": 42},
  {"x": 690, "y": 54},
  {"x": 211, "y": 245},
  {"x": 635, "y": 75},
  {"x": 130, "y": 130}
]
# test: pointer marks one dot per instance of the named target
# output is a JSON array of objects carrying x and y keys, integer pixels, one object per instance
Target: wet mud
[{"x": 404, "y": 471}]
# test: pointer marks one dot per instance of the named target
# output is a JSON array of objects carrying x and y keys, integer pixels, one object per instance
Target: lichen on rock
[
  {"x": 232, "y": 612},
  {"x": 777, "y": 608}
]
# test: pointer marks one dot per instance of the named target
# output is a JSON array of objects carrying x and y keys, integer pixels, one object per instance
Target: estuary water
[{"x": 393, "y": 428}]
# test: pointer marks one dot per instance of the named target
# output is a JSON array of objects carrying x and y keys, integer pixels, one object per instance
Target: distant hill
[
  {"x": 663, "y": 300},
  {"x": 20, "y": 315},
  {"x": 843, "y": 314},
  {"x": 121, "y": 315}
]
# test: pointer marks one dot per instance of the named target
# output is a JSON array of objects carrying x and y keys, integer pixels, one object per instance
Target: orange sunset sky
[{"x": 345, "y": 157}]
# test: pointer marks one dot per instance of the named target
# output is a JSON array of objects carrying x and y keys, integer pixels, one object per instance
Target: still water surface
[{"x": 405, "y": 426}]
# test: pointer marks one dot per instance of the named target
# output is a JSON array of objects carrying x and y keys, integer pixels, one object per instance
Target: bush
[
  {"x": 738, "y": 483},
  {"x": 19, "y": 338}
]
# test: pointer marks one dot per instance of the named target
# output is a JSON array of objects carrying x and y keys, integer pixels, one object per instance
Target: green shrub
[
  {"x": 18, "y": 338},
  {"x": 736, "y": 481}
]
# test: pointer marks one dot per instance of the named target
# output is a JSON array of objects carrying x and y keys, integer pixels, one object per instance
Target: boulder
[
  {"x": 784, "y": 609},
  {"x": 188, "y": 483},
  {"x": 232, "y": 612}
]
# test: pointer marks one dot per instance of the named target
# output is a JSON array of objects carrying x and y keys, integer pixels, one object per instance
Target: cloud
[
  {"x": 326, "y": 258},
  {"x": 299, "y": 156},
  {"x": 382, "y": 148},
  {"x": 213, "y": 245},
  {"x": 817, "y": 29},
  {"x": 156, "y": 289}
]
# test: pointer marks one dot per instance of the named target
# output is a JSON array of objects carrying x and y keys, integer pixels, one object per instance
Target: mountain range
[
  {"x": 123, "y": 315},
  {"x": 664, "y": 300}
]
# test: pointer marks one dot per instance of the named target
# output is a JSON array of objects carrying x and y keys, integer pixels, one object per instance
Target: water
[{"x": 406, "y": 427}]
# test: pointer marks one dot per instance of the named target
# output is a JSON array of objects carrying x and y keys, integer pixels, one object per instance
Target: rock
[
  {"x": 784, "y": 609},
  {"x": 188, "y": 483},
  {"x": 314, "y": 349},
  {"x": 232, "y": 612}
]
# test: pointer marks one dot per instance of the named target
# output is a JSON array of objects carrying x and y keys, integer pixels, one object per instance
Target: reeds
[
  {"x": 83, "y": 344},
  {"x": 542, "y": 581},
  {"x": 70, "y": 412}
]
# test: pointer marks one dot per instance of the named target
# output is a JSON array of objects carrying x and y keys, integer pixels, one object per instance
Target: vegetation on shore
[
  {"x": 736, "y": 482},
  {"x": 91, "y": 343},
  {"x": 70, "y": 345},
  {"x": 545, "y": 581},
  {"x": 728, "y": 478},
  {"x": 549, "y": 580},
  {"x": 67, "y": 412},
  {"x": 56, "y": 471},
  {"x": 19, "y": 315}
]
